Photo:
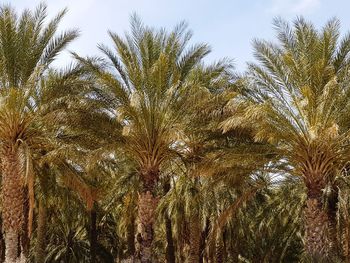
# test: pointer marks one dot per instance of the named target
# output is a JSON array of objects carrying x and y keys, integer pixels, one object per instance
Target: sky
[{"x": 228, "y": 26}]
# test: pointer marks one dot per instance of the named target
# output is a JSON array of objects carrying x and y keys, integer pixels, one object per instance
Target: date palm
[
  {"x": 203, "y": 150},
  {"x": 145, "y": 87},
  {"x": 209, "y": 162},
  {"x": 59, "y": 90},
  {"x": 27, "y": 48},
  {"x": 297, "y": 99}
]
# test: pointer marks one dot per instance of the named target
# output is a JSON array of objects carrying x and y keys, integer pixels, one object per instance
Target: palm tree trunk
[
  {"x": 147, "y": 204},
  {"x": 203, "y": 240},
  {"x": 11, "y": 241},
  {"x": 12, "y": 201},
  {"x": 41, "y": 233},
  {"x": 317, "y": 241},
  {"x": 93, "y": 235},
  {"x": 24, "y": 237},
  {"x": 195, "y": 236},
  {"x": 2, "y": 243},
  {"x": 183, "y": 241},
  {"x": 170, "y": 249},
  {"x": 131, "y": 236},
  {"x": 333, "y": 201}
]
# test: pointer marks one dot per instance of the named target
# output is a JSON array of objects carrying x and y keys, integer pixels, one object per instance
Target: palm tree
[
  {"x": 68, "y": 239},
  {"x": 49, "y": 99},
  {"x": 27, "y": 48},
  {"x": 203, "y": 143},
  {"x": 84, "y": 148},
  {"x": 207, "y": 158},
  {"x": 271, "y": 223},
  {"x": 145, "y": 87},
  {"x": 297, "y": 100}
]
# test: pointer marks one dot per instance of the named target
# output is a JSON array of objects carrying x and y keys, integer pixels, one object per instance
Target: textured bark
[
  {"x": 41, "y": 233},
  {"x": 317, "y": 242},
  {"x": 183, "y": 242},
  {"x": 93, "y": 235},
  {"x": 25, "y": 240},
  {"x": 147, "y": 207},
  {"x": 12, "y": 201},
  {"x": 195, "y": 234},
  {"x": 147, "y": 204},
  {"x": 131, "y": 237},
  {"x": 2, "y": 243},
  {"x": 203, "y": 241},
  {"x": 319, "y": 218},
  {"x": 332, "y": 221},
  {"x": 22, "y": 259},
  {"x": 11, "y": 241}
]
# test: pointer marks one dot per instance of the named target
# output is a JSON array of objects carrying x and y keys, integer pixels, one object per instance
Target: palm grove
[{"x": 147, "y": 154}]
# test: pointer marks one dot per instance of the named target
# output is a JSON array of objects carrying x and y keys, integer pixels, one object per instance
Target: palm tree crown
[
  {"x": 27, "y": 48},
  {"x": 296, "y": 100},
  {"x": 145, "y": 86}
]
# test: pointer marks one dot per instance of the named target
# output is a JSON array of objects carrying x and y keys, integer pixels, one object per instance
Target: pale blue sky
[{"x": 228, "y": 26}]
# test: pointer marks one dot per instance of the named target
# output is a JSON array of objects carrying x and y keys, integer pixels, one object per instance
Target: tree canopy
[{"x": 149, "y": 153}]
